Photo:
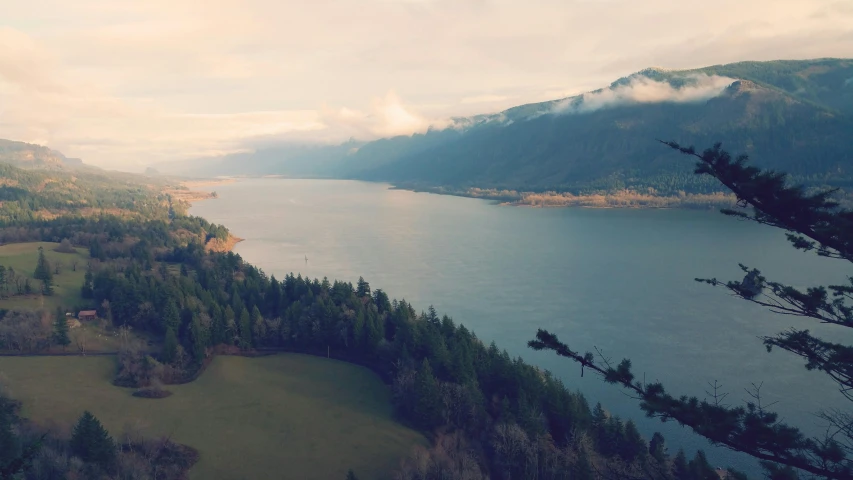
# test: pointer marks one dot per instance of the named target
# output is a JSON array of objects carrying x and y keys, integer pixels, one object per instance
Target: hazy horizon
[{"x": 123, "y": 85}]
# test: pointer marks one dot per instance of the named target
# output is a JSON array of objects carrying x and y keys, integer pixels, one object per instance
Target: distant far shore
[
  {"x": 187, "y": 195},
  {"x": 514, "y": 198},
  {"x": 617, "y": 199},
  {"x": 207, "y": 182},
  {"x": 187, "y": 191}
]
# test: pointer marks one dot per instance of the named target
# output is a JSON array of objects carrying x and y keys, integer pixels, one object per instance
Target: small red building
[{"x": 87, "y": 315}]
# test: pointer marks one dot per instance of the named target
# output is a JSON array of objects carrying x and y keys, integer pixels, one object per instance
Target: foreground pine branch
[{"x": 813, "y": 221}]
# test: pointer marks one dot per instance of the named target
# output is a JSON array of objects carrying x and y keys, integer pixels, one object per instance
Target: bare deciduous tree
[{"x": 80, "y": 337}]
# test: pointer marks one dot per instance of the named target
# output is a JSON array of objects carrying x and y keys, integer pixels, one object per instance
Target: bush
[
  {"x": 65, "y": 247},
  {"x": 152, "y": 393}
]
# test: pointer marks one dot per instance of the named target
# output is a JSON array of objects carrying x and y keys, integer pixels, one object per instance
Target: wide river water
[{"x": 621, "y": 280}]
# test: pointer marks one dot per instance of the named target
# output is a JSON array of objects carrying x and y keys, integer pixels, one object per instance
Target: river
[{"x": 621, "y": 280}]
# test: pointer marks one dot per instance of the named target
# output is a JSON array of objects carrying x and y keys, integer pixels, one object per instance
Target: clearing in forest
[
  {"x": 23, "y": 257},
  {"x": 285, "y": 416}
]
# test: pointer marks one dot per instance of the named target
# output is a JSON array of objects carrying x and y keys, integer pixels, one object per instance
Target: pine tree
[
  {"x": 380, "y": 299},
  {"x": 358, "y": 331},
  {"x": 363, "y": 288},
  {"x": 259, "y": 326},
  {"x": 217, "y": 329},
  {"x": 171, "y": 316},
  {"x": 44, "y": 273},
  {"x": 170, "y": 346},
  {"x": 632, "y": 445},
  {"x": 351, "y": 475},
  {"x": 197, "y": 335},
  {"x": 15, "y": 456},
  {"x": 60, "y": 329},
  {"x": 614, "y": 437},
  {"x": 657, "y": 447},
  {"x": 373, "y": 333},
  {"x": 432, "y": 316},
  {"x": 8, "y": 441},
  {"x": 428, "y": 403},
  {"x": 815, "y": 222},
  {"x": 97, "y": 251},
  {"x": 273, "y": 297},
  {"x": 91, "y": 442},
  {"x": 680, "y": 470},
  {"x": 599, "y": 425},
  {"x": 231, "y": 324},
  {"x": 700, "y": 469},
  {"x": 245, "y": 329}
]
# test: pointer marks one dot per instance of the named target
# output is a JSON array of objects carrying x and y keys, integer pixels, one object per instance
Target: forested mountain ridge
[
  {"x": 296, "y": 160},
  {"x": 827, "y": 82},
  {"x": 31, "y": 156},
  {"x": 605, "y": 140},
  {"x": 792, "y": 115},
  {"x": 31, "y": 194}
]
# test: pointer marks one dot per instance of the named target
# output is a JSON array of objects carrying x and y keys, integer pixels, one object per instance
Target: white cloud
[
  {"x": 641, "y": 89},
  {"x": 124, "y": 82},
  {"x": 387, "y": 117}
]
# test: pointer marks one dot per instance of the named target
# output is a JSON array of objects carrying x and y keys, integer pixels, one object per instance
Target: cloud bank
[
  {"x": 641, "y": 89},
  {"x": 124, "y": 83},
  {"x": 387, "y": 117}
]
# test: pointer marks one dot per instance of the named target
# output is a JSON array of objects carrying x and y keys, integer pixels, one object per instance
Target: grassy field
[
  {"x": 286, "y": 416},
  {"x": 23, "y": 258}
]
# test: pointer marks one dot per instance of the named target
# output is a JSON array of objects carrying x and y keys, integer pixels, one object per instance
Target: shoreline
[
  {"x": 215, "y": 245},
  {"x": 625, "y": 199},
  {"x": 190, "y": 184},
  {"x": 618, "y": 199},
  {"x": 186, "y": 191},
  {"x": 191, "y": 196}
]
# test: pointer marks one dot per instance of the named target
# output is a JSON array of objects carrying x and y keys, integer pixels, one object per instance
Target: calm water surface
[{"x": 621, "y": 280}]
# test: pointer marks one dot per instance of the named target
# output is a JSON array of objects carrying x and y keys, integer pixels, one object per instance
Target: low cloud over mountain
[{"x": 641, "y": 89}]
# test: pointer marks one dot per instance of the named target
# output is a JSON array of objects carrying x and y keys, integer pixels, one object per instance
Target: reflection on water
[{"x": 621, "y": 280}]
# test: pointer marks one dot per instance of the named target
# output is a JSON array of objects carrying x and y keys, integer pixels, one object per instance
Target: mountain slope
[
  {"x": 605, "y": 140},
  {"x": 293, "y": 159},
  {"x": 795, "y": 116},
  {"x": 827, "y": 82},
  {"x": 30, "y": 156}
]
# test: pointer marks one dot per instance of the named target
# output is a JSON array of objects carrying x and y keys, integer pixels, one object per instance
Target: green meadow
[
  {"x": 23, "y": 258},
  {"x": 285, "y": 416}
]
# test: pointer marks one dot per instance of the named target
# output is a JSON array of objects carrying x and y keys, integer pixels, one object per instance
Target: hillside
[
  {"x": 28, "y": 194},
  {"x": 30, "y": 156},
  {"x": 792, "y": 116},
  {"x": 789, "y": 115},
  {"x": 294, "y": 160}
]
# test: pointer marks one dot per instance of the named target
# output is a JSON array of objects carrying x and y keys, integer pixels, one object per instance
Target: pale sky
[{"x": 125, "y": 84}]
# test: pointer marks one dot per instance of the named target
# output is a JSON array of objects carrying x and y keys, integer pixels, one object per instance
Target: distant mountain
[
  {"x": 294, "y": 160},
  {"x": 30, "y": 156},
  {"x": 792, "y": 116},
  {"x": 795, "y": 116}
]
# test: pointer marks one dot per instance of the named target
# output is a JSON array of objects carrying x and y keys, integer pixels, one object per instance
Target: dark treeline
[
  {"x": 489, "y": 415},
  {"x": 28, "y": 195},
  {"x": 109, "y": 236},
  {"x": 85, "y": 452}
]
